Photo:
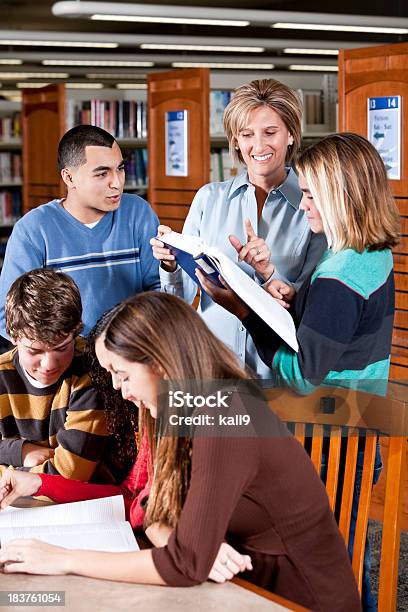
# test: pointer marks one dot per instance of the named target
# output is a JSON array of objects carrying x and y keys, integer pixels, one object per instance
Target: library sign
[
  {"x": 176, "y": 143},
  {"x": 384, "y": 132}
]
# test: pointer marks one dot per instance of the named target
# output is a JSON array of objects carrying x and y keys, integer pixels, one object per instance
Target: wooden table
[{"x": 90, "y": 595}]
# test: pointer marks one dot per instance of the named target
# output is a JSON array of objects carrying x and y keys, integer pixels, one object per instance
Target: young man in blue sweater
[{"x": 96, "y": 234}]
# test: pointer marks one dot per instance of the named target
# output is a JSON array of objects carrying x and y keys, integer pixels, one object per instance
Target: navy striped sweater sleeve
[{"x": 340, "y": 331}]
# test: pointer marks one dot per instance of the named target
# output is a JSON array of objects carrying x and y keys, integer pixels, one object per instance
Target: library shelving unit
[
  {"x": 123, "y": 117},
  {"x": 10, "y": 169},
  {"x": 379, "y": 72},
  {"x": 49, "y": 111},
  {"x": 382, "y": 72},
  {"x": 185, "y": 94}
]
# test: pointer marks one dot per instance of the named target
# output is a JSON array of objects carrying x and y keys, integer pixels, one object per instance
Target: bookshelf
[
  {"x": 10, "y": 168},
  {"x": 170, "y": 94},
  {"x": 124, "y": 118},
  {"x": 380, "y": 72},
  {"x": 124, "y": 113},
  {"x": 319, "y": 119}
]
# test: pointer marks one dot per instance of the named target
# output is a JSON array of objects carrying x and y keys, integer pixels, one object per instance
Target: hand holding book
[
  {"x": 193, "y": 253},
  {"x": 223, "y": 295},
  {"x": 161, "y": 252}
]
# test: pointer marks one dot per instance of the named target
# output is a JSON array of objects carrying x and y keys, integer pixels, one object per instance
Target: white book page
[
  {"x": 257, "y": 298},
  {"x": 190, "y": 244},
  {"x": 104, "y": 510},
  {"x": 109, "y": 537}
]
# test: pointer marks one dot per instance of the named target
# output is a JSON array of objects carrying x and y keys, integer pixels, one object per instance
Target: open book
[
  {"x": 97, "y": 524},
  {"x": 191, "y": 252}
]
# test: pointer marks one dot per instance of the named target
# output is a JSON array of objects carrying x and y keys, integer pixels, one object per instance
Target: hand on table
[
  {"x": 162, "y": 253},
  {"x": 255, "y": 252},
  {"x": 34, "y": 557},
  {"x": 228, "y": 562},
  {"x": 14, "y": 484}
]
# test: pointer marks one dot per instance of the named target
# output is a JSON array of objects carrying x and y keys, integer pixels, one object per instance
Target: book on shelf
[
  {"x": 136, "y": 167},
  {"x": 10, "y": 206},
  {"x": 121, "y": 118},
  {"x": 10, "y": 127},
  {"x": 218, "y": 102},
  {"x": 222, "y": 167},
  {"x": 97, "y": 524},
  {"x": 10, "y": 167},
  {"x": 313, "y": 108},
  {"x": 192, "y": 252}
]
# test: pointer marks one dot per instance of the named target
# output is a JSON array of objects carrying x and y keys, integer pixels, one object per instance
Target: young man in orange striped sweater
[{"x": 50, "y": 418}]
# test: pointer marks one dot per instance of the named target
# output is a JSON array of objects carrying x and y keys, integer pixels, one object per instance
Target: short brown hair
[
  {"x": 72, "y": 146},
  {"x": 348, "y": 182},
  {"x": 264, "y": 92},
  {"x": 43, "y": 306}
]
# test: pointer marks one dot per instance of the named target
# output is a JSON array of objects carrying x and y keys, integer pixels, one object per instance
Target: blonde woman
[
  {"x": 259, "y": 492},
  {"x": 256, "y": 213},
  {"x": 345, "y": 315}
]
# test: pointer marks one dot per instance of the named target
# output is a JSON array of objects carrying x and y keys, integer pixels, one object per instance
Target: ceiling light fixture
[
  {"x": 75, "y": 62},
  {"x": 179, "y": 20},
  {"x": 147, "y": 13},
  {"x": 228, "y": 49},
  {"x": 84, "y": 85},
  {"x": 157, "y": 13},
  {"x": 11, "y": 62},
  {"x": 311, "y": 51},
  {"x": 316, "y": 68},
  {"x": 34, "y": 75},
  {"x": 31, "y": 85},
  {"x": 235, "y": 66},
  {"x": 12, "y": 95},
  {"x": 339, "y": 28},
  {"x": 115, "y": 75},
  {"x": 57, "y": 43},
  {"x": 131, "y": 86}
]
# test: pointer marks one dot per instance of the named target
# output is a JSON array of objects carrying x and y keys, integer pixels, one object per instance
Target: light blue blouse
[{"x": 220, "y": 209}]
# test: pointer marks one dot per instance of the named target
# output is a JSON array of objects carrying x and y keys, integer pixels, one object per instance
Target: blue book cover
[
  {"x": 192, "y": 258},
  {"x": 192, "y": 252}
]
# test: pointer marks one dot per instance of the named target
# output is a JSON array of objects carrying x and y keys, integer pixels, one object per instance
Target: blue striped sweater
[{"x": 109, "y": 262}]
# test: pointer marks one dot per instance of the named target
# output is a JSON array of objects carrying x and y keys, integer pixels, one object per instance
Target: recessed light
[
  {"x": 57, "y": 43},
  {"x": 235, "y": 66},
  {"x": 312, "y": 51},
  {"x": 115, "y": 75},
  {"x": 31, "y": 85},
  {"x": 182, "y": 20},
  {"x": 131, "y": 86},
  {"x": 84, "y": 85},
  {"x": 317, "y": 68},
  {"x": 339, "y": 28},
  {"x": 68, "y": 62},
  {"x": 225, "y": 48},
  {"x": 11, "y": 62},
  {"x": 34, "y": 75}
]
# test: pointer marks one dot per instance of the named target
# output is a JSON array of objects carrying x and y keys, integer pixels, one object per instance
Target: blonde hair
[
  {"x": 265, "y": 92},
  {"x": 348, "y": 182},
  {"x": 165, "y": 333}
]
